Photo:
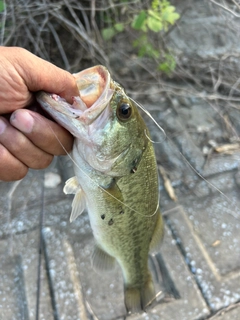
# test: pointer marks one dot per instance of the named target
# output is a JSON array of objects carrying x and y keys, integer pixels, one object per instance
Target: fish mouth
[{"x": 95, "y": 93}]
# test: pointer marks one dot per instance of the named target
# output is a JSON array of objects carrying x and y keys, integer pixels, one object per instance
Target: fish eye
[{"x": 124, "y": 111}]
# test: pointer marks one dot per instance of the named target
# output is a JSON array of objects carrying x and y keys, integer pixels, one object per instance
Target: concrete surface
[{"x": 197, "y": 272}]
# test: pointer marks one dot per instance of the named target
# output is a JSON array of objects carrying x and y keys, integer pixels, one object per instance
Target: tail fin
[{"x": 138, "y": 298}]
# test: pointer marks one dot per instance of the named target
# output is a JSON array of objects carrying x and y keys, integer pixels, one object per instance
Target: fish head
[
  {"x": 122, "y": 141},
  {"x": 94, "y": 95},
  {"x": 110, "y": 134}
]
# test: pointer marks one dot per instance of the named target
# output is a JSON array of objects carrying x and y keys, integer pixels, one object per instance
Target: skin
[{"x": 27, "y": 138}]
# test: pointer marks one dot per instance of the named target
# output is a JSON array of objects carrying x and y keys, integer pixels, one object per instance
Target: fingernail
[
  {"x": 2, "y": 126},
  {"x": 22, "y": 120}
]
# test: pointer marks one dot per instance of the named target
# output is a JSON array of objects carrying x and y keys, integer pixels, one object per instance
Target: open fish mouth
[{"x": 95, "y": 92}]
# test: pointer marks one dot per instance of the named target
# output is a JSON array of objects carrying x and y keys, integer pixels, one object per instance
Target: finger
[
  {"x": 44, "y": 133},
  {"x": 39, "y": 74},
  {"x": 11, "y": 168},
  {"x": 22, "y": 148}
]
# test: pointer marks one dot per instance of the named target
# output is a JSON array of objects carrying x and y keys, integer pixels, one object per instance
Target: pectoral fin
[
  {"x": 71, "y": 186},
  {"x": 101, "y": 260},
  {"x": 79, "y": 203},
  {"x": 113, "y": 195},
  {"x": 157, "y": 235}
]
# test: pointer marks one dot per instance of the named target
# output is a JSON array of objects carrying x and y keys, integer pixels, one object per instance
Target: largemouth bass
[{"x": 116, "y": 178}]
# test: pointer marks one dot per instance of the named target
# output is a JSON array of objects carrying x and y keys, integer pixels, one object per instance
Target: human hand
[{"x": 28, "y": 139}]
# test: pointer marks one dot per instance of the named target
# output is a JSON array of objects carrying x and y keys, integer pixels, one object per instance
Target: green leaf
[
  {"x": 155, "y": 53},
  {"x": 169, "y": 15},
  {"x": 141, "y": 41},
  {"x": 108, "y": 33},
  {"x": 155, "y": 4},
  {"x": 139, "y": 20},
  {"x": 148, "y": 50},
  {"x": 168, "y": 65},
  {"x": 142, "y": 52},
  {"x": 164, "y": 67},
  {"x": 164, "y": 3},
  {"x": 154, "y": 24},
  {"x": 2, "y": 6},
  {"x": 119, "y": 27},
  {"x": 135, "y": 43},
  {"x": 151, "y": 52},
  {"x": 154, "y": 14}
]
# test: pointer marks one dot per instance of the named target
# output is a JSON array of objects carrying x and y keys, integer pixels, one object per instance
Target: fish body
[{"x": 116, "y": 179}]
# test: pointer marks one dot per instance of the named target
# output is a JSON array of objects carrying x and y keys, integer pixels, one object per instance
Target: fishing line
[
  {"x": 154, "y": 121},
  {"x": 40, "y": 248},
  {"x": 212, "y": 185},
  {"x": 184, "y": 158}
]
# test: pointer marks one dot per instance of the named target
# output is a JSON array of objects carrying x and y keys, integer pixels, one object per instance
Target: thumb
[{"x": 39, "y": 74}]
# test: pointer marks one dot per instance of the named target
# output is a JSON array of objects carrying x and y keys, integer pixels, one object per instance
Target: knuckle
[
  {"x": 10, "y": 168},
  {"x": 42, "y": 163},
  {"x": 17, "y": 148},
  {"x": 47, "y": 161},
  {"x": 20, "y": 174},
  {"x": 65, "y": 149}
]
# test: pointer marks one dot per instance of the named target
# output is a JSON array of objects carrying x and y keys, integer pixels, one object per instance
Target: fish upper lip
[
  {"x": 78, "y": 110},
  {"x": 88, "y": 116}
]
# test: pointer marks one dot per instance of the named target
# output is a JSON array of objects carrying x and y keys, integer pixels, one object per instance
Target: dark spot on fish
[
  {"x": 134, "y": 170},
  {"x": 103, "y": 216},
  {"x": 135, "y": 162},
  {"x": 110, "y": 222},
  {"x": 121, "y": 212},
  {"x": 74, "y": 114}
]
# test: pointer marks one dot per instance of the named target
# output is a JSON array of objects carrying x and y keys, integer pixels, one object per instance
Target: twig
[
  {"x": 225, "y": 8},
  {"x": 60, "y": 47},
  {"x": 167, "y": 184},
  {"x": 82, "y": 34},
  {"x": 224, "y": 310},
  {"x": 80, "y": 25},
  {"x": 3, "y": 22},
  {"x": 40, "y": 248}
]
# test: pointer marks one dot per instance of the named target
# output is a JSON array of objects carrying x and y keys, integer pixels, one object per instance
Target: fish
[{"x": 116, "y": 179}]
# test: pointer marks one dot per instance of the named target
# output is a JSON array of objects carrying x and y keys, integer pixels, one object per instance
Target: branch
[{"x": 225, "y": 8}]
